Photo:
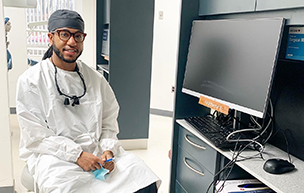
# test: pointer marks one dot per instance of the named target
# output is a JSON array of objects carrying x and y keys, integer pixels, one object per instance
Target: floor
[{"x": 155, "y": 156}]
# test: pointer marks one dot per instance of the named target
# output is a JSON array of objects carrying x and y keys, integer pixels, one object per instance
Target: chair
[{"x": 27, "y": 180}]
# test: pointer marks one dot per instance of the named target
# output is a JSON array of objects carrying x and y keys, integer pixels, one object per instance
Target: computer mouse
[{"x": 278, "y": 166}]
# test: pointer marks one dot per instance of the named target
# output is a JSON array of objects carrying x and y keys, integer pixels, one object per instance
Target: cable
[
  {"x": 258, "y": 155},
  {"x": 253, "y": 140},
  {"x": 287, "y": 147},
  {"x": 229, "y": 164},
  {"x": 287, "y": 144},
  {"x": 253, "y": 129},
  {"x": 236, "y": 153},
  {"x": 223, "y": 120}
]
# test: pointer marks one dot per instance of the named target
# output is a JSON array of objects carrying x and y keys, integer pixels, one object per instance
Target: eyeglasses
[{"x": 65, "y": 35}]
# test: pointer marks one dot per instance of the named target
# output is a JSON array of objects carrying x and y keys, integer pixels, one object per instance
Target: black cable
[
  {"x": 231, "y": 163},
  {"x": 225, "y": 120},
  {"x": 223, "y": 169},
  {"x": 287, "y": 147},
  {"x": 286, "y": 141},
  {"x": 235, "y": 156},
  {"x": 230, "y": 166}
]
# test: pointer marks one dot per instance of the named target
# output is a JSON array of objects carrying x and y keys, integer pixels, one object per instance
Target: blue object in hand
[
  {"x": 108, "y": 160},
  {"x": 100, "y": 173}
]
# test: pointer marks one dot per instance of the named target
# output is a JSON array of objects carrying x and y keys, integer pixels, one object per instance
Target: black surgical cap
[{"x": 65, "y": 18}]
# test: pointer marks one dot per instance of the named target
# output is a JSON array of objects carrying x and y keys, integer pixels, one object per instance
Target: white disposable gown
[{"x": 53, "y": 135}]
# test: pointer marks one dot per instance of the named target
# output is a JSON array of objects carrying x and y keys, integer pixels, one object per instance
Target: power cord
[
  {"x": 229, "y": 165},
  {"x": 258, "y": 128},
  {"x": 237, "y": 153}
]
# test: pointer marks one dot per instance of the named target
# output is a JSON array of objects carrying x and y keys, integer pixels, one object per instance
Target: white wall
[
  {"x": 87, "y": 9},
  {"x": 17, "y": 48},
  {"x": 165, "y": 47},
  {"x": 6, "y": 166}
]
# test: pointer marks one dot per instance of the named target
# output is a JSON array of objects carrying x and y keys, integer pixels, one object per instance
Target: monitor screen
[
  {"x": 105, "y": 42},
  {"x": 232, "y": 62}
]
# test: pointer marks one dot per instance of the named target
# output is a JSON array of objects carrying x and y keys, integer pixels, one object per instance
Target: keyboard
[{"x": 212, "y": 130}]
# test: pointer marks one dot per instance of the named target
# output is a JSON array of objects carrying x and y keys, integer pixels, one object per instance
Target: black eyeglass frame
[{"x": 71, "y": 34}]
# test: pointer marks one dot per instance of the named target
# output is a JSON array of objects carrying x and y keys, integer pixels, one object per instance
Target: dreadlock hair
[{"x": 48, "y": 53}]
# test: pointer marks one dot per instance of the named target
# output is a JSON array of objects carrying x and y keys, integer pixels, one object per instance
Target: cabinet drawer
[
  {"x": 191, "y": 175},
  {"x": 198, "y": 149},
  {"x": 179, "y": 188}
]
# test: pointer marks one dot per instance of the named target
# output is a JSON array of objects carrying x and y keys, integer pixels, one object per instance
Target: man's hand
[
  {"x": 105, "y": 156},
  {"x": 88, "y": 161}
]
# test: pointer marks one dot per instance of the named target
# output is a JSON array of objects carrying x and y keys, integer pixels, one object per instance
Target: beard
[{"x": 60, "y": 55}]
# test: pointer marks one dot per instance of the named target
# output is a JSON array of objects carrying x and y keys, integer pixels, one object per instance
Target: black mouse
[{"x": 278, "y": 166}]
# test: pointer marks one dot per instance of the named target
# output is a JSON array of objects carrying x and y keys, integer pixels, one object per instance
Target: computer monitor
[
  {"x": 105, "y": 42},
  {"x": 232, "y": 62}
]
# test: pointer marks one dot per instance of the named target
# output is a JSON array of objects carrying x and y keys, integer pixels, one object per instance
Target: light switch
[{"x": 161, "y": 15}]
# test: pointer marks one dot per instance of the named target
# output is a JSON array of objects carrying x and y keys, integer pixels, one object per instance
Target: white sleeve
[
  {"x": 36, "y": 136},
  {"x": 110, "y": 129}
]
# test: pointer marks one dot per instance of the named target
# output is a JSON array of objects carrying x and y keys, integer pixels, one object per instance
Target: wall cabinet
[
  {"x": 211, "y": 7},
  {"x": 128, "y": 65},
  {"x": 216, "y": 7},
  {"x": 106, "y": 11},
  {"x": 263, "y": 5}
]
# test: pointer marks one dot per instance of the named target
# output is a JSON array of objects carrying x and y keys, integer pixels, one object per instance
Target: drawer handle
[
  {"x": 191, "y": 168},
  {"x": 194, "y": 144}
]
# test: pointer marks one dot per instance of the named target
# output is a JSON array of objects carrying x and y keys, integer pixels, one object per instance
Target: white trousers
[{"x": 57, "y": 176}]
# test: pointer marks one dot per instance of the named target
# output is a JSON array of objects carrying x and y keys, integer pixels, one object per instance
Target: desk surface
[{"x": 284, "y": 183}]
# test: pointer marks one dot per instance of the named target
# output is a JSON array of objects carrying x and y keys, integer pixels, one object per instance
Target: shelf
[
  {"x": 288, "y": 182},
  {"x": 103, "y": 67}
]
